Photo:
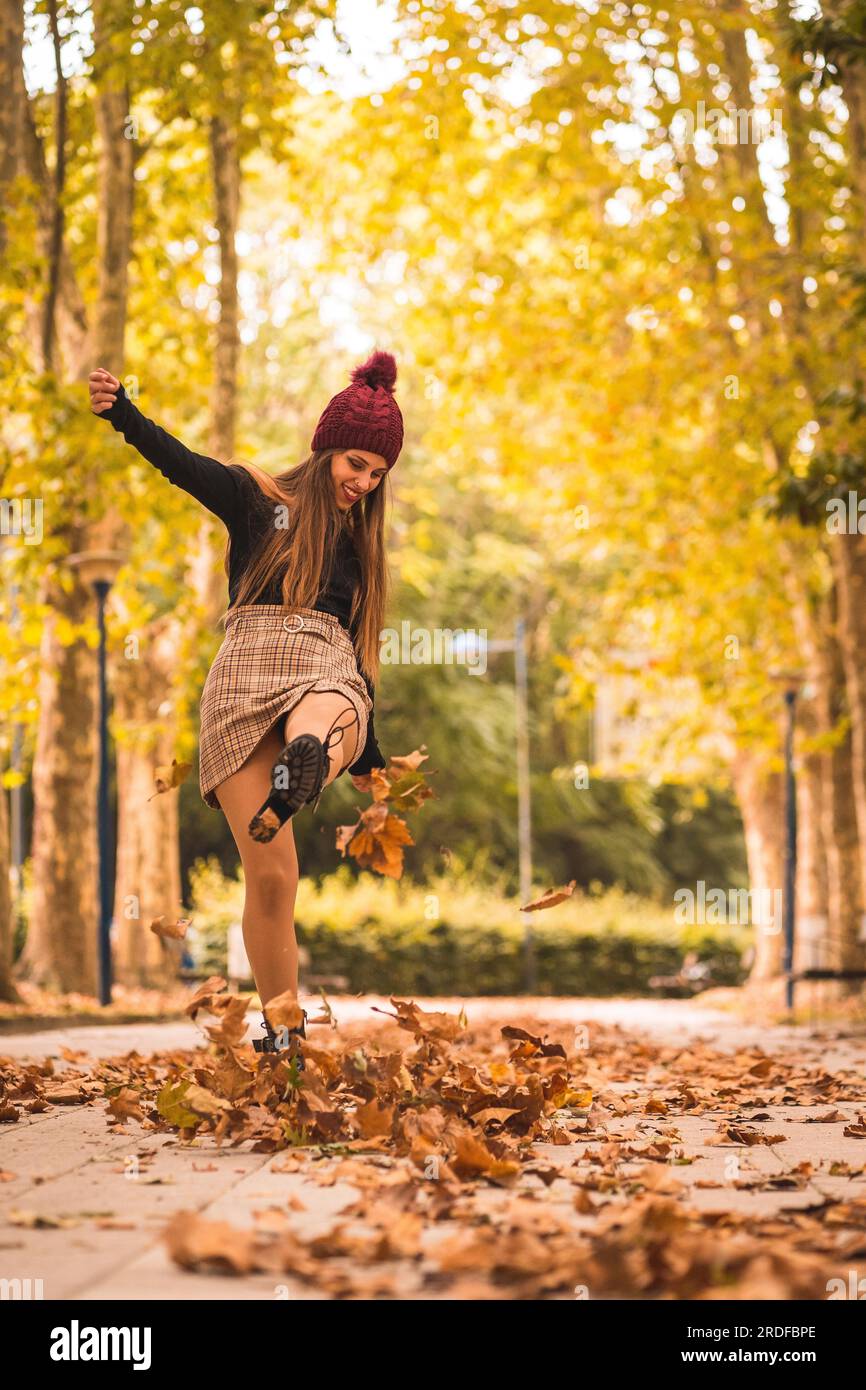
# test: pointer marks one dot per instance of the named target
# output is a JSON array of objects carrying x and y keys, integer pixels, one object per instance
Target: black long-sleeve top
[{"x": 227, "y": 491}]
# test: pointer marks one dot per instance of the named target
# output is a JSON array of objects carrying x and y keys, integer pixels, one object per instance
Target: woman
[{"x": 288, "y": 702}]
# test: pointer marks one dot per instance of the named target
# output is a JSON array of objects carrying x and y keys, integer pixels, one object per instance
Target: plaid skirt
[{"x": 270, "y": 659}]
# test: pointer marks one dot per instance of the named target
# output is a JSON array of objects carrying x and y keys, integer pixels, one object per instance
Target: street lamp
[
  {"x": 99, "y": 569},
  {"x": 791, "y": 682}
]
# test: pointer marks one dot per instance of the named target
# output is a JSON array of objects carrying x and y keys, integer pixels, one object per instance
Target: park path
[{"x": 118, "y": 1189}]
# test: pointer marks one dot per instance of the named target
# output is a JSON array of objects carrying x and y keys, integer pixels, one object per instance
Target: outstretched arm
[{"x": 216, "y": 485}]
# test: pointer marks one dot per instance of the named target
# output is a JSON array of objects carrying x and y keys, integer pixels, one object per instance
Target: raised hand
[{"x": 103, "y": 390}]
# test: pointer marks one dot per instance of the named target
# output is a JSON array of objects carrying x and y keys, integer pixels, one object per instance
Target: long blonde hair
[{"x": 303, "y": 538}]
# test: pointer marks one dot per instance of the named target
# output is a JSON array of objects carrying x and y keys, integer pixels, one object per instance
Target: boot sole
[{"x": 300, "y": 766}]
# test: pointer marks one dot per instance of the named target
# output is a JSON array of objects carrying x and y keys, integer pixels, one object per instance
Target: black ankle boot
[
  {"x": 281, "y": 1040},
  {"x": 297, "y": 778}
]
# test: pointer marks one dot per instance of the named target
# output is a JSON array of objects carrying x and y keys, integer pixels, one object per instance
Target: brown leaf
[
  {"x": 126, "y": 1105},
  {"x": 232, "y": 1013},
  {"x": 284, "y": 1011},
  {"x": 739, "y": 1134},
  {"x": 378, "y": 842},
  {"x": 408, "y": 762},
  {"x": 230, "y": 1078},
  {"x": 35, "y": 1220},
  {"x": 203, "y": 1102},
  {"x": 551, "y": 897},
  {"x": 473, "y": 1156},
  {"x": 173, "y": 931},
  {"x": 423, "y": 1022},
  {"x": 206, "y": 994},
  {"x": 193, "y": 1242},
  {"x": 167, "y": 778},
  {"x": 542, "y": 1048},
  {"x": 70, "y": 1094},
  {"x": 374, "y": 1118}
]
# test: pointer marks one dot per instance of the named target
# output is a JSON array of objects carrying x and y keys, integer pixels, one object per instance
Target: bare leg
[
  {"x": 270, "y": 874},
  {"x": 320, "y": 711}
]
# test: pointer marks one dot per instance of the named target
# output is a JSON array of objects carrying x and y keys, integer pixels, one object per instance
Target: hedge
[{"x": 462, "y": 939}]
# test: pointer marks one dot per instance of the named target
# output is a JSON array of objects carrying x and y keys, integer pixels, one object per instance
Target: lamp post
[
  {"x": 99, "y": 568},
  {"x": 791, "y": 681}
]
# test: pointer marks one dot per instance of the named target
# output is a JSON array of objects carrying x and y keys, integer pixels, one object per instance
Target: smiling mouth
[{"x": 353, "y": 496}]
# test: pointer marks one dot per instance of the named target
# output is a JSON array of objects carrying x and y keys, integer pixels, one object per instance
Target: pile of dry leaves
[{"x": 489, "y": 1162}]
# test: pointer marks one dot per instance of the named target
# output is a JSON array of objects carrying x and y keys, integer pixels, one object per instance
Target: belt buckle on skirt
[{"x": 293, "y": 629}]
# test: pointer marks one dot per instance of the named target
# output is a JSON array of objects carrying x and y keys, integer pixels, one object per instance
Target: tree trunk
[
  {"x": 11, "y": 140},
  {"x": 848, "y": 554},
  {"x": 839, "y": 948},
  {"x": 12, "y": 103},
  {"x": 7, "y": 919},
  {"x": 62, "y": 933},
  {"x": 148, "y": 877},
  {"x": 760, "y": 794},
  {"x": 61, "y": 944},
  {"x": 206, "y": 574},
  {"x": 853, "y": 82},
  {"x": 147, "y": 881},
  {"x": 812, "y": 912},
  {"x": 60, "y": 953},
  {"x": 827, "y": 939},
  {"x": 148, "y": 855}
]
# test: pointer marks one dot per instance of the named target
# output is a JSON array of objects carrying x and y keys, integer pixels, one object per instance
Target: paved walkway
[
  {"x": 118, "y": 1189},
  {"x": 666, "y": 1020}
]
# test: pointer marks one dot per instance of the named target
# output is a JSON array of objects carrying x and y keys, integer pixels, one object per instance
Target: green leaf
[{"x": 170, "y": 1105}]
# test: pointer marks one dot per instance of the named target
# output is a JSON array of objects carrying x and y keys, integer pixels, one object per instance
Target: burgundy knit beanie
[{"x": 365, "y": 415}]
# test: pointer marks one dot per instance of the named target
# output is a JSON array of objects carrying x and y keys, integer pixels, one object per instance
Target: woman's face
[{"x": 354, "y": 473}]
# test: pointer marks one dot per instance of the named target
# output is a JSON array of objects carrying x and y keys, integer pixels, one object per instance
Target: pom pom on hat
[{"x": 380, "y": 369}]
